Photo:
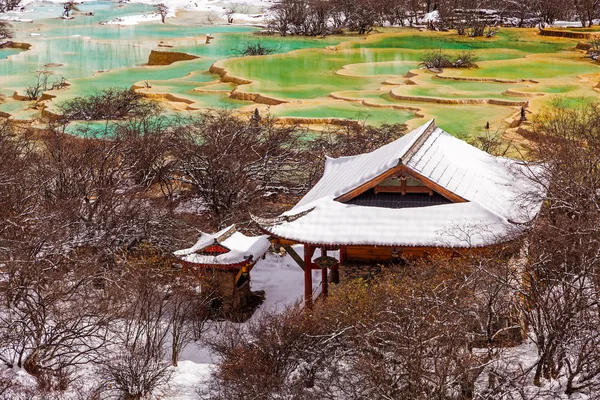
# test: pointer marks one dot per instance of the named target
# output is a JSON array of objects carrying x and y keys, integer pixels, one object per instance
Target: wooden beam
[
  {"x": 419, "y": 142},
  {"x": 295, "y": 256},
  {"x": 434, "y": 186},
  {"x": 407, "y": 171},
  {"x": 369, "y": 185}
]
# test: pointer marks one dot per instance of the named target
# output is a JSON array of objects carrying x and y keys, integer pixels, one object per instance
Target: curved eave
[
  {"x": 302, "y": 241},
  {"x": 455, "y": 225},
  {"x": 227, "y": 267}
]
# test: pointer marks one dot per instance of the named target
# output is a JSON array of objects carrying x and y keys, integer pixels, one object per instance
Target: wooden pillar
[
  {"x": 324, "y": 283},
  {"x": 308, "y": 293},
  {"x": 335, "y": 272}
]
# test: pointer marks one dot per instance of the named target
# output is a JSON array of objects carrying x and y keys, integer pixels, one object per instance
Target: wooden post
[
  {"x": 335, "y": 272},
  {"x": 308, "y": 253},
  {"x": 324, "y": 283}
]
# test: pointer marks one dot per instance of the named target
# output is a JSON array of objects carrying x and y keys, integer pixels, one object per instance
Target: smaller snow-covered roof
[{"x": 241, "y": 248}]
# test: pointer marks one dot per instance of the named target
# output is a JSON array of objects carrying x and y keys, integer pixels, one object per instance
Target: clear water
[{"x": 303, "y": 72}]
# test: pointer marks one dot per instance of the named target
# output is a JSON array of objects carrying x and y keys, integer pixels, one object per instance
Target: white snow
[
  {"x": 450, "y": 225},
  {"x": 433, "y": 16},
  {"x": 346, "y": 173},
  {"x": 499, "y": 184},
  {"x": 283, "y": 282},
  {"x": 245, "y": 11},
  {"x": 241, "y": 247},
  {"x": 498, "y": 195},
  {"x": 187, "y": 378}
]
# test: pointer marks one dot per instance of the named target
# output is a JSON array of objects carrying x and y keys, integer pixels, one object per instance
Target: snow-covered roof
[
  {"x": 452, "y": 225},
  {"x": 241, "y": 248},
  {"x": 343, "y": 174},
  {"x": 496, "y": 192},
  {"x": 501, "y": 185}
]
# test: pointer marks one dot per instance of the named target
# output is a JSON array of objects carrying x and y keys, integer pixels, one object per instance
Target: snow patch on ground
[
  {"x": 244, "y": 11},
  {"x": 188, "y": 378},
  {"x": 136, "y": 19},
  {"x": 283, "y": 282}
]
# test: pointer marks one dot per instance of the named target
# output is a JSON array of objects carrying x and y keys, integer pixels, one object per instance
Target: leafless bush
[
  {"x": 232, "y": 162},
  {"x": 438, "y": 59},
  {"x": 9, "y": 5},
  {"x": 109, "y": 104},
  {"x": 6, "y": 30},
  {"x": 254, "y": 49},
  {"x": 68, "y": 7},
  {"x": 400, "y": 337},
  {"x": 43, "y": 83},
  {"x": 560, "y": 296},
  {"x": 212, "y": 17},
  {"x": 493, "y": 143}
]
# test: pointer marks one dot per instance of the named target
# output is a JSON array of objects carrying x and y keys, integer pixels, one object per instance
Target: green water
[
  {"x": 303, "y": 71},
  {"x": 470, "y": 121},
  {"x": 347, "y": 110},
  {"x": 4, "y": 53},
  {"x": 504, "y": 39},
  {"x": 308, "y": 74},
  {"x": 531, "y": 69},
  {"x": 380, "y": 68},
  {"x": 92, "y": 56},
  {"x": 552, "y": 89}
]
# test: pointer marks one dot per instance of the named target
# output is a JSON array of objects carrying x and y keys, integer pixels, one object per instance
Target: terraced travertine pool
[{"x": 375, "y": 79}]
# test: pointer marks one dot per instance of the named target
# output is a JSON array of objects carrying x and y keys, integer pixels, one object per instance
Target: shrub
[
  {"x": 257, "y": 48},
  {"x": 109, "y": 104},
  {"x": 437, "y": 59}
]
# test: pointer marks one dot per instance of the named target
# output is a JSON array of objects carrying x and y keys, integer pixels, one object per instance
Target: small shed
[{"x": 227, "y": 256}]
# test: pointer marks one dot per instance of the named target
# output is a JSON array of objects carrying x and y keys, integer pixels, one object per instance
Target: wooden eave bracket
[{"x": 295, "y": 256}]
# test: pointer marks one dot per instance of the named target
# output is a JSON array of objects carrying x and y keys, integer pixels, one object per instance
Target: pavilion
[
  {"x": 228, "y": 257},
  {"x": 425, "y": 192}
]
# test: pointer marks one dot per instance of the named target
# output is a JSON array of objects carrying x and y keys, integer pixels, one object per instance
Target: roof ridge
[
  {"x": 427, "y": 132},
  {"x": 226, "y": 233}
]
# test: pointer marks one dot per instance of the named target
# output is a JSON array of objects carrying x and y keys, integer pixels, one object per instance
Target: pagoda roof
[
  {"x": 239, "y": 248},
  {"x": 492, "y": 197}
]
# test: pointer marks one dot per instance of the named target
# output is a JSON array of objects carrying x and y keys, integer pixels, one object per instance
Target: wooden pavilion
[
  {"x": 425, "y": 192},
  {"x": 228, "y": 256}
]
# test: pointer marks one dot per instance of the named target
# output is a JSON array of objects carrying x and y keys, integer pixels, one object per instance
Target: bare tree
[
  {"x": 561, "y": 277},
  {"x": 6, "y": 30},
  {"x": 587, "y": 11},
  {"x": 9, "y": 5},
  {"x": 405, "y": 336},
  {"x": 109, "y": 104},
  {"x": 163, "y": 10},
  {"x": 232, "y": 163},
  {"x": 68, "y": 7}
]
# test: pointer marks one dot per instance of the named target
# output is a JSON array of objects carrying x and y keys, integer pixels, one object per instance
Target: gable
[
  {"x": 213, "y": 249},
  {"x": 345, "y": 174},
  {"x": 403, "y": 181}
]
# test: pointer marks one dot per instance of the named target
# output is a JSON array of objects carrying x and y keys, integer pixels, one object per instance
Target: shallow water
[{"x": 304, "y": 72}]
